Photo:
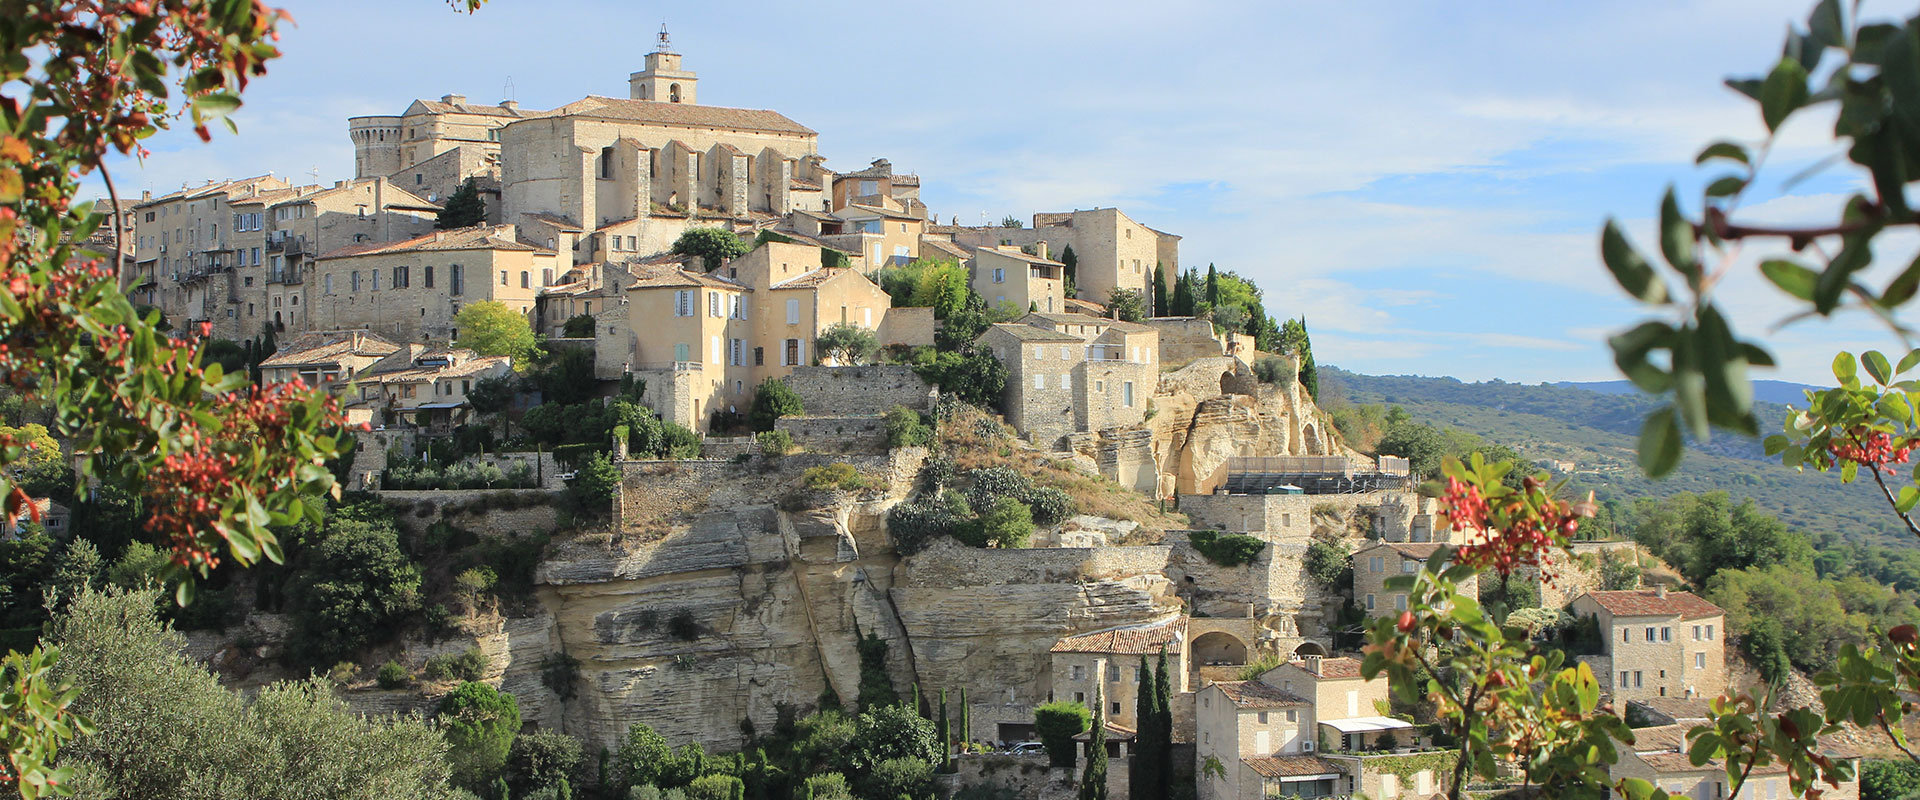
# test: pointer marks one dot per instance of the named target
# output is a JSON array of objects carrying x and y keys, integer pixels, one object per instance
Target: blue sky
[{"x": 1424, "y": 181}]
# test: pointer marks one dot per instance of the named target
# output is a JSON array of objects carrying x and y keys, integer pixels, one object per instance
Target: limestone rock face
[{"x": 1212, "y": 410}]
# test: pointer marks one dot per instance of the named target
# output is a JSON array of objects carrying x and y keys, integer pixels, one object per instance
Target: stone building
[
  {"x": 185, "y": 261},
  {"x": 704, "y": 341},
  {"x": 1111, "y": 250},
  {"x": 1659, "y": 643},
  {"x": 885, "y": 234},
  {"x": 326, "y": 360},
  {"x": 1372, "y": 566},
  {"x": 412, "y": 290},
  {"x": 877, "y": 185},
  {"x": 425, "y": 386},
  {"x": 1070, "y": 373},
  {"x": 1306, "y": 728},
  {"x": 433, "y": 146},
  {"x": 1107, "y": 663},
  {"x": 1659, "y": 755},
  {"x": 1002, "y": 274}
]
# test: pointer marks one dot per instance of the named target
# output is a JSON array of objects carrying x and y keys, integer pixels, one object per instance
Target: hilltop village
[{"x": 840, "y": 443}]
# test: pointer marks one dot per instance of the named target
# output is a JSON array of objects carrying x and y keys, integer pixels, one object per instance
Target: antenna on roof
[
  {"x": 509, "y": 88},
  {"x": 315, "y": 172},
  {"x": 666, "y": 44}
]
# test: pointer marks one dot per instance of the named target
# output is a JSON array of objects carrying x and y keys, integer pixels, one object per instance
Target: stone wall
[
  {"x": 1126, "y": 457},
  {"x": 1183, "y": 339},
  {"x": 949, "y": 563},
  {"x": 859, "y": 391},
  {"x": 836, "y": 434},
  {"x": 487, "y": 512},
  {"x": 1573, "y": 577},
  {"x": 1019, "y": 777}
]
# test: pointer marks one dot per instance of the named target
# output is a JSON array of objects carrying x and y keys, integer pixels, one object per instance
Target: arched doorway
[
  {"x": 1217, "y": 649},
  {"x": 1226, "y": 383},
  {"x": 1310, "y": 436},
  {"x": 1309, "y": 649}
]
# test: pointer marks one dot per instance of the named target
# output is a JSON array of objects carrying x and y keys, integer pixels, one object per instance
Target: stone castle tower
[{"x": 663, "y": 80}]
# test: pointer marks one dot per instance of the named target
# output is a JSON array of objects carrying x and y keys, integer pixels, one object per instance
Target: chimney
[
  {"x": 1040, "y": 249},
  {"x": 510, "y": 105},
  {"x": 454, "y": 99},
  {"x": 1660, "y": 591},
  {"x": 339, "y": 184},
  {"x": 1313, "y": 664}
]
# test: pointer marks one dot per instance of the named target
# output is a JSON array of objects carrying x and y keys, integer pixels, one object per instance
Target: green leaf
[
  {"x": 1660, "y": 443},
  {"x": 1844, "y": 369},
  {"x": 1792, "y": 278},
  {"x": 1909, "y": 496},
  {"x": 216, "y": 105},
  {"x": 1729, "y": 185},
  {"x": 1903, "y": 287},
  {"x": 1908, "y": 361},
  {"x": 1677, "y": 237},
  {"x": 1632, "y": 272},
  {"x": 1775, "y": 444},
  {"x": 1726, "y": 150},
  {"x": 1825, "y": 26},
  {"x": 1877, "y": 366},
  {"x": 1784, "y": 91}
]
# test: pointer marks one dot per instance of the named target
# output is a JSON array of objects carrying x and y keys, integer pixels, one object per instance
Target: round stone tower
[{"x": 376, "y": 146}]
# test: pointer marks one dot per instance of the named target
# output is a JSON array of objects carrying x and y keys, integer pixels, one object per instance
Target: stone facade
[
  {"x": 1110, "y": 248},
  {"x": 1661, "y": 643},
  {"x": 1372, "y": 566},
  {"x": 866, "y": 434},
  {"x": 412, "y": 290},
  {"x": 1002, "y": 274},
  {"x": 1070, "y": 373}
]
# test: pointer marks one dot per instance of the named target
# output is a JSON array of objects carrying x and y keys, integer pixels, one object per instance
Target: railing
[{"x": 675, "y": 366}]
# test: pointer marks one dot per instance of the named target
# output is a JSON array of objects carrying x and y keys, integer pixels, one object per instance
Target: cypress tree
[
  {"x": 464, "y": 209},
  {"x": 500, "y": 789},
  {"x": 1159, "y": 290},
  {"x": 919, "y": 709},
  {"x": 1093, "y": 782},
  {"x": 1072, "y": 271},
  {"x": 1163, "y": 728},
  {"x": 946, "y": 736},
  {"x": 1140, "y": 778},
  {"x": 966, "y": 719},
  {"x": 1182, "y": 303},
  {"x": 1213, "y": 286}
]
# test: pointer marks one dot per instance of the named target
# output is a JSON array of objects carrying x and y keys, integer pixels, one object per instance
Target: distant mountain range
[
  {"x": 1596, "y": 427},
  {"x": 1780, "y": 392}
]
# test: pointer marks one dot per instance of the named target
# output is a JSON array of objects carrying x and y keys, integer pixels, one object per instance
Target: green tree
[
  {"x": 1182, "y": 303},
  {"x": 1328, "y": 563},
  {"x": 876, "y": 684},
  {"x": 1070, "y": 261},
  {"x": 1008, "y": 523},
  {"x": 1093, "y": 782},
  {"x": 946, "y": 736},
  {"x": 942, "y": 286},
  {"x": 479, "y": 722},
  {"x": 1126, "y": 305},
  {"x": 578, "y": 326},
  {"x": 973, "y": 375},
  {"x": 771, "y": 401},
  {"x": 1143, "y": 781},
  {"x": 963, "y": 325},
  {"x": 1421, "y": 444},
  {"x": 846, "y": 344},
  {"x": 354, "y": 587},
  {"x": 464, "y": 207},
  {"x": 1883, "y": 779},
  {"x": 1295, "y": 342},
  {"x": 490, "y": 328},
  {"x": 543, "y": 758},
  {"x": 1011, "y": 221},
  {"x": 896, "y": 778},
  {"x": 492, "y": 395},
  {"x": 1213, "y": 286},
  {"x": 1160, "y": 294},
  {"x": 714, "y": 246},
  {"x": 1056, "y": 724},
  {"x": 890, "y": 731},
  {"x": 1163, "y": 727},
  {"x": 596, "y": 485},
  {"x": 642, "y": 757}
]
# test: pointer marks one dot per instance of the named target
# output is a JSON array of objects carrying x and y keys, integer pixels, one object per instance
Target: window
[
  {"x": 1114, "y": 708},
  {"x": 1113, "y": 674},
  {"x": 1000, "y": 276},
  {"x": 1699, "y": 660},
  {"x": 1666, "y": 634},
  {"x": 1263, "y": 717},
  {"x": 680, "y": 352},
  {"x": 1126, "y": 392},
  {"x": 327, "y": 282},
  {"x": 1649, "y": 634},
  {"x": 683, "y": 303},
  {"x": 1623, "y": 679},
  {"x": 713, "y": 303},
  {"x": 1261, "y": 742},
  {"x": 1290, "y": 715},
  {"x": 1079, "y": 672},
  {"x": 738, "y": 353},
  {"x": 1636, "y": 679},
  {"x": 1409, "y": 566},
  {"x": 1040, "y": 381},
  {"x": 355, "y": 280},
  {"x": 793, "y": 312},
  {"x": 606, "y": 165},
  {"x": 1696, "y": 633},
  {"x": 456, "y": 277},
  {"x": 426, "y": 275},
  {"x": 1369, "y": 602},
  {"x": 759, "y": 356},
  {"x": 401, "y": 278},
  {"x": 1399, "y": 602},
  {"x": 715, "y": 341},
  {"x": 1709, "y": 633},
  {"x": 503, "y": 277},
  {"x": 792, "y": 355},
  {"x": 1626, "y": 635},
  {"x": 1376, "y": 564},
  {"x": 374, "y": 275},
  {"x": 1100, "y": 386},
  {"x": 526, "y": 279}
]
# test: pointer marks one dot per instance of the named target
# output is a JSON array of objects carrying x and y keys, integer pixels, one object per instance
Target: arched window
[
  {"x": 643, "y": 91},
  {"x": 673, "y": 93},
  {"x": 525, "y": 281}
]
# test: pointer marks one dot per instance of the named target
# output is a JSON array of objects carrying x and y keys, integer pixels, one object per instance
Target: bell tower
[{"x": 663, "y": 81}]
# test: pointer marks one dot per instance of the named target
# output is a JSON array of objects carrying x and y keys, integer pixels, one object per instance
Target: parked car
[{"x": 1027, "y": 749}]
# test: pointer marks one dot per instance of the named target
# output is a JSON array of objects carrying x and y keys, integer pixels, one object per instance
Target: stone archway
[
  {"x": 1219, "y": 649},
  {"x": 1227, "y": 383},
  {"x": 1309, "y": 649},
  {"x": 1310, "y": 437}
]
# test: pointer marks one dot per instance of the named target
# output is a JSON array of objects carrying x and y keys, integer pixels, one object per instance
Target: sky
[{"x": 1424, "y": 182}]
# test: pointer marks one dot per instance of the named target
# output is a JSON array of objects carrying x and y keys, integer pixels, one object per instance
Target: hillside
[{"x": 1597, "y": 432}]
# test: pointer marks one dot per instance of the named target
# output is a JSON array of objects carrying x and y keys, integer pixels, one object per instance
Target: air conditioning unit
[{"x": 1306, "y": 747}]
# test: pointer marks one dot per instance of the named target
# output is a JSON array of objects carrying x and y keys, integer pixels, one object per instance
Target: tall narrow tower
[{"x": 663, "y": 80}]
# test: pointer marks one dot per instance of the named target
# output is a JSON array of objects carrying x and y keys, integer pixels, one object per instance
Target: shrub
[
  {"x": 469, "y": 665},
  {"x": 906, "y": 429},
  {"x": 716, "y": 787},
  {"x": 993, "y": 483},
  {"x": 543, "y": 758},
  {"x": 560, "y": 672},
  {"x": 1882, "y": 779},
  {"x": 915, "y": 525},
  {"x": 595, "y": 485},
  {"x": 1056, "y": 724},
  {"x": 1273, "y": 369},
  {"x": 1329, "y": 563},
  {"x": 1051, "y": 506},
  {"x": 391, "y": 675},
  {"x": 353, "y": 590},
  {"x": 846, "y": 343},
  {"x": 677, "y": 442},
  {"x": 683, "y": 626},
  {"x": 775, "y": 443},
  {"x": 889, "y": 731},
  {"x": 1227, "y": 550},
  {"x": 771, "y": 401},
  {"x": 479, "y": 722},
  {"x": 937, "y": 473},
  {"x": 1007, "y": 524},
  {"x": 579, "y": 326},
  {"x": 827, "y": 786},
  {"x": 641, "y": 756},
  {"x": 472, "y": 585},
  {"x": 895, "y": 778},
  {"x": 838, "y": 475},
  {"x": 343, "y": 673}
]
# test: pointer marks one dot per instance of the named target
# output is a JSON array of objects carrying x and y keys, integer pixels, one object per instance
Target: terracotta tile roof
[
  {"x": 439, "y": 107},
  {"x": 471, "y": 365},
  {"x": 480, "y": 237},
  {"x": 1677, "y": 707},
  {"x": 681, "y": 114},
  {"x": 1120, "y": 732},
  {"x": 1649, "y": 603},
  {"x": 796, "y": 183},
  {"x": 1341, "y": 667},
  {"x": 878, "y": 211},
  {"x": 1138, "y": 640},
  {"x": 654, "y": 279},
  {"x": 1029, "y": 333},
  {"x": 1659, "y": 738},
  {"x": 1067, "y": 319},
  {"x": 327, "y": 347},
  {"x": 812, "y": 279},
  {"x": 905, "y": 180},
  {"x": 947, "y": 247},
  {"x": 1258, "y": 694},
  {"x": 555, "y": 220},
  {"x": 230, "y": 186},
  {"x": 1294, "y": 766},
  {"x": 1087, "y": 307}
]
